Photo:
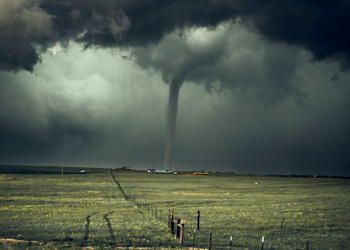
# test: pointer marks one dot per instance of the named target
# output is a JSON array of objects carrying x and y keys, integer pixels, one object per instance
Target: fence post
[
  {"x": 198, "y": 218},
  {"x": 230, "y": 242},
  {"x": 262, "y": 243},
  {"x": 182, "y": 231},
  {"x": 194, "y": 237},
  {"x": 209, "y": 247},
  {"x": 178, "y": 229},
  {"x": 307, "y": 245},
  {"x": 172, "y": 221}
]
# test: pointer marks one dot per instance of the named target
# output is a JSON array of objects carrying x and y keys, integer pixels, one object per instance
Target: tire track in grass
[
  {"x": 109, "y": 225},
  {"x": 87, "y": 226}
]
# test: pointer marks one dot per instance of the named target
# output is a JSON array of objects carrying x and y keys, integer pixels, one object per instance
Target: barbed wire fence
[{"x": 189, "y": 233}]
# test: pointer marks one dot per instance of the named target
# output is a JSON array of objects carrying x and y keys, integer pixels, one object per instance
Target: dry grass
[{"x": 88, "y": 211}]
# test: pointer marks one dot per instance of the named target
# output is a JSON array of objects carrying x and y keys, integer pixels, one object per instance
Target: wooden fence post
[
  {"x": 210, "y": 235},
  {"x": 182, "y": 231},
  {"x": 178, "y": 229},
  {"x": 172, "y": 221},
  {"x": 198, "y": 218}
]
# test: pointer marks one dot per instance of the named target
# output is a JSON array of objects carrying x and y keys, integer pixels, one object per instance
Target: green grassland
[{"x": 43, "y": 209}]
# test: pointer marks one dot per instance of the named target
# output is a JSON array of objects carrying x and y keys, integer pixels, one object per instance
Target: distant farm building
[{"x": 204, "y": 173}]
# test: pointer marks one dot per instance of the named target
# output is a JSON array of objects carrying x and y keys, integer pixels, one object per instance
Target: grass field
[{"x": 42, "y": 209}]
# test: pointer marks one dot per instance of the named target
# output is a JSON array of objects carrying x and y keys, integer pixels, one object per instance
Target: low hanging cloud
[{"x": 223, "y": 59}]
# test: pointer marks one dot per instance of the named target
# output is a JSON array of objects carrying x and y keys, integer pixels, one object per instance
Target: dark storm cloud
[
  {"x": 319, "y": 26},
  {"x": 103, "y": 23},
  {"x": 22, "y": 24},
  {"x": 194, "y": 56},
  {"x": 275, "y": 99}
]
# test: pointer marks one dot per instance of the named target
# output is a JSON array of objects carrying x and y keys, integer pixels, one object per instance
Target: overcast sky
[{"x": 263, "y": 87}]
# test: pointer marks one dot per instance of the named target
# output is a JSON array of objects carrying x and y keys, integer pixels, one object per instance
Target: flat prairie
[{"x": 42, "y": 209}]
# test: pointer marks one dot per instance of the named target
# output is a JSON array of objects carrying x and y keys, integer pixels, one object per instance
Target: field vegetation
[{"x": 42, "y": 209}]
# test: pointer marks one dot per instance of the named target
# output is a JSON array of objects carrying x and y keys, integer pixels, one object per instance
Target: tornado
[{"x": 174, "y": 89}]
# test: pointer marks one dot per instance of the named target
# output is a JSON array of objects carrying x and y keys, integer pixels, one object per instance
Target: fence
[{"x": 193, "y": 235}]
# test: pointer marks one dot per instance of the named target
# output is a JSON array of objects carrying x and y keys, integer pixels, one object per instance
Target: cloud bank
[{"x": 264, "y": 86}]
